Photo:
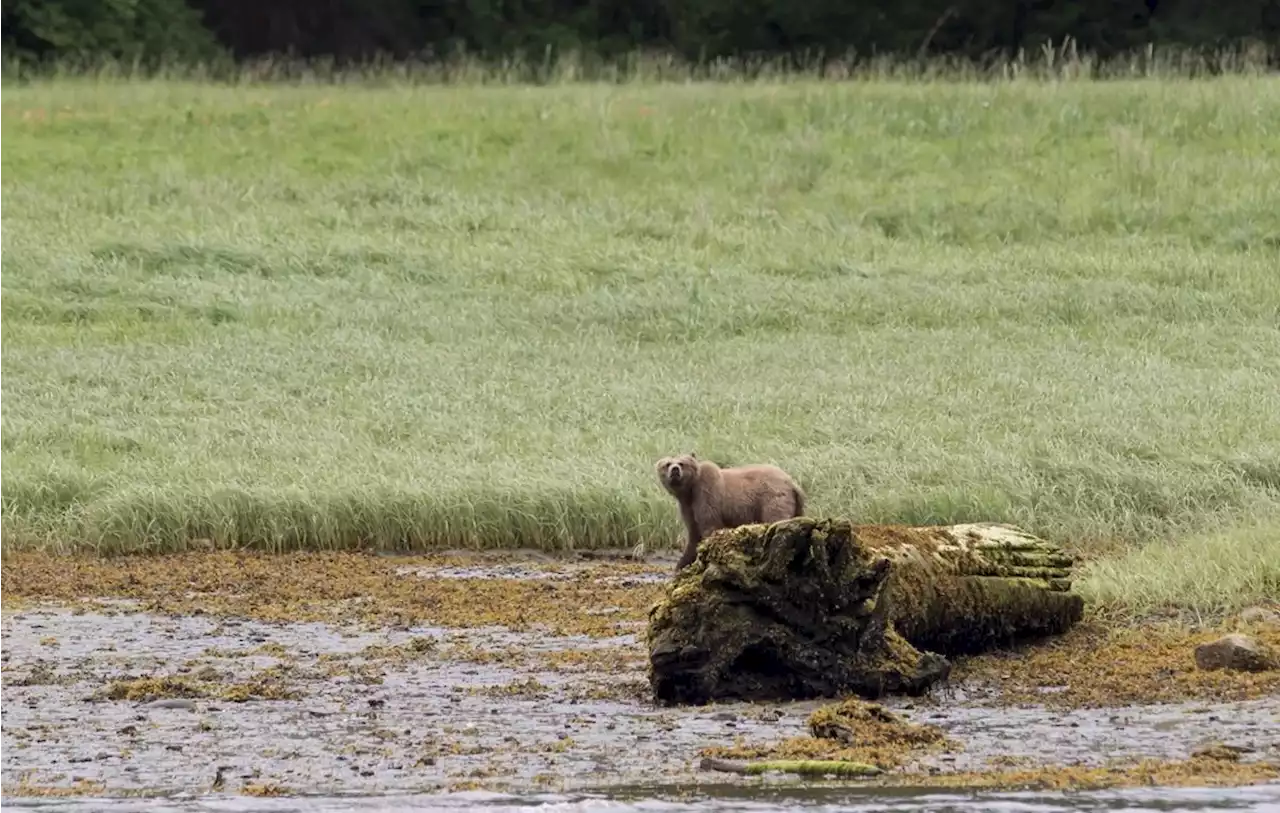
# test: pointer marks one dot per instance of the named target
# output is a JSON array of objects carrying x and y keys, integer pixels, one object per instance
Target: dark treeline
[{"x": 348, "y": 31}]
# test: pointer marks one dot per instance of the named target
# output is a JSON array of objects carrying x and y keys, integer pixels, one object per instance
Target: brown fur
[{"x": 712, "y": 498}]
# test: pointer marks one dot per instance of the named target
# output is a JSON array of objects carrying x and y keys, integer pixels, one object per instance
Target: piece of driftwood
[
  {"x": 803, "y": 767},
  {"x": 820, "y": 607}
]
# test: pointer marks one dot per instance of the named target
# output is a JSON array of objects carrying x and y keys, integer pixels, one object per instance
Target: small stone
[
  {"x": 172, "y": 703},
  {"x": 724, "y": 715},
  {"x": 1236, "y": 652}
]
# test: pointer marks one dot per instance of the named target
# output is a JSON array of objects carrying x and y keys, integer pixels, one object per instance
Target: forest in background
[{"x": 155, "y": 32}]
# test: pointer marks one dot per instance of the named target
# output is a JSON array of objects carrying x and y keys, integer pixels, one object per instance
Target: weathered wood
[
  {"x": 803, "y": 767},
  {"x": 808, "y": 608},
  {"x": 959, "y": 589}
]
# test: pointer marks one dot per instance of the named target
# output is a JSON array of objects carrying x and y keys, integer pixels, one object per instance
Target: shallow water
[{"x": 727, "y": 800}]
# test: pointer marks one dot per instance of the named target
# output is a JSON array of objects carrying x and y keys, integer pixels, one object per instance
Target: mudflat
[{"x": 238, "y": 673}]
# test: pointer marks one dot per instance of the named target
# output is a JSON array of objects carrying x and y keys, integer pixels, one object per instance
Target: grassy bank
[{"x": 408, "y": 316}]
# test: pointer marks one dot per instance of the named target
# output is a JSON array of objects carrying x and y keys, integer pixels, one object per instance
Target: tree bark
[{"x": 818, "y": 608}]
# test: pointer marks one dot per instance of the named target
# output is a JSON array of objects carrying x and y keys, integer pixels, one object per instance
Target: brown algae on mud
[
  {"x": 386, "y": 692},
  {"x": 1093, "y": 666},
  {"x": 849, "y": 731},
  {"x": 379, "y": 591},
  {"x": 426, "y": 720},
  {"x": 1194, "y": 772},
  {"x": 853, "y": 731},
  {"x": 269, "y": 684}
]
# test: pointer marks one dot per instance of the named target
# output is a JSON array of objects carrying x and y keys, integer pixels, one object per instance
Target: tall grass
[
  {"x": 403, "y": 315},
  {"x": 1209, "y": 574},
  {"x": 1052, "y": 62}
]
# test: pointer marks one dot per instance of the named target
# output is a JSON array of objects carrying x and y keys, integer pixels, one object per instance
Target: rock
[
  {"x": 1260, "y": 615},
  {"x": 172, "y": 703},
  {"x": 1236, "y": 652},
  {"x": 809, "y": 608}
]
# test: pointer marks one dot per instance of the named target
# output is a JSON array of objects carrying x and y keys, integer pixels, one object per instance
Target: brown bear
[{"x": 712, "y": 498}]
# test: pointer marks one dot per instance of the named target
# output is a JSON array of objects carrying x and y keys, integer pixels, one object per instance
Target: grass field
[{"x": 410, "y": 316}]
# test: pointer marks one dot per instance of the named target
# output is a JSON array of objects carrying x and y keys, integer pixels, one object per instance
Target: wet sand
[{"x": 227, "y": 674}]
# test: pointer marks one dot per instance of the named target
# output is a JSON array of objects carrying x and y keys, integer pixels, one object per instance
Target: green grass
[
  {"x": 1209, "y": 574},
  {"x": 409, "y": 316}
]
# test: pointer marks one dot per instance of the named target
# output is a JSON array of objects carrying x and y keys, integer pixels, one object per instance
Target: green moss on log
[
  {"x": 808, "y": 607},
  {"x": 803, "y": 767}
]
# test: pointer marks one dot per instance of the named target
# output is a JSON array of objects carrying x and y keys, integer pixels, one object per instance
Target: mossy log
[
  {"x": 810, "y": 608},
  {"x": 803, "y": 767}
]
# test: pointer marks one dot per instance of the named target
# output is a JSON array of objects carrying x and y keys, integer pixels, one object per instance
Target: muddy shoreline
[{"x": 339, "y": 674}]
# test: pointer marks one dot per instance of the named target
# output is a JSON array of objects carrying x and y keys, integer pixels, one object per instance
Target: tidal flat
[{"x": 264, "y": 675}]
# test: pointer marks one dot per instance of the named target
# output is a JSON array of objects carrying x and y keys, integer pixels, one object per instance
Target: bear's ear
[{"x": 694, "y": 455}]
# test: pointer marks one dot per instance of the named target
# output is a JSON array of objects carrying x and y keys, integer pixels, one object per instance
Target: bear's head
[{"x": 678, "y": 474}]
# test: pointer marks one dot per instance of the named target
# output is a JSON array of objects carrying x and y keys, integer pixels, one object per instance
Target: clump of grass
[
  {"x": 1208, "y": 574},
  {"x": 1052, "y": 61},
  {"x": 411, "y": 317}
]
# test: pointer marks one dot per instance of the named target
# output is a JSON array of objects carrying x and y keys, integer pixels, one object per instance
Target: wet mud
[{"x": 234, "y": 674}]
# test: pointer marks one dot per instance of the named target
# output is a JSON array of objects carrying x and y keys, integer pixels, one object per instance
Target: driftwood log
[
  {"x": 809, "y": 608},
  {"x": 803, "y": 767}
]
